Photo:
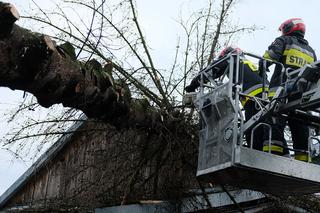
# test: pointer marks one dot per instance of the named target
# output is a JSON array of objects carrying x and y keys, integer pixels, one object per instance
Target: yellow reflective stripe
[
  {"x": 271, "y": 94},
  {"x": 251, "y": 65},
  {"x": 266, "y": 55},
  {"x": 301, "y": 157},
  {"x": 253, "y": 93},
  {"x": 273, "y": 149},
  {"x": 297, "y": 58}
]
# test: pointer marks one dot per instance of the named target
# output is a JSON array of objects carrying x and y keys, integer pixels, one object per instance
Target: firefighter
[
  {"x": 252, "y": 85},
  {"x": 293, "y": 51}
]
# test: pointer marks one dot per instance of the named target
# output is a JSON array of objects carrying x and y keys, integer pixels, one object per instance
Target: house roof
[{"x": 41, "y": 162}]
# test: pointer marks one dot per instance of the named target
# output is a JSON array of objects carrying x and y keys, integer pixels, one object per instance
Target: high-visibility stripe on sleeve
[
  {"x": 266, "y": 55},
  {"x": 252, "y": 93},
  {"x": 271, "y": 55},
  {"x": 251, "y": 65},
  {"x": 272, "y": 92}
]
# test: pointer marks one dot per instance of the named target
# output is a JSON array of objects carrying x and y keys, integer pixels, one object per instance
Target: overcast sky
[{"x": 158, "y": 21}]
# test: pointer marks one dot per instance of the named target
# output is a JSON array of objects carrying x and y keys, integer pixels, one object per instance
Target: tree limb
[{"x": 32, "y": 62}]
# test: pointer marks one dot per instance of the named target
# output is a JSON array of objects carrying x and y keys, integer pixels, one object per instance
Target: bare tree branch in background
[
  {"x": 113, "y": 49},
  {"x": 103, "y": 67},
  {"x": 205, "y": 32}
]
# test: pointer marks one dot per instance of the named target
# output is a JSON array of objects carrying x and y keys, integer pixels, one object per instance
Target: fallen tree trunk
[{"x": 32, "y": 62}]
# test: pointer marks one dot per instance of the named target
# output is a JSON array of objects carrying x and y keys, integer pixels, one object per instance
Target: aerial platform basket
[
  {"x": 256, "y": 170},
  {"x": 223, "y": 157}
]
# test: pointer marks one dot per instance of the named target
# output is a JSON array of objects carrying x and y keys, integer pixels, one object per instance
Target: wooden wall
[{"x": 103, "y": 166}]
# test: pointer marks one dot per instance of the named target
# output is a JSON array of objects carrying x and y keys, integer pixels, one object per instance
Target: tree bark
[{"x": 32, "y": 62}]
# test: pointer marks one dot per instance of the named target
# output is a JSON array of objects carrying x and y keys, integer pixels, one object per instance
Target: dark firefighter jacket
[
  {"x": 252, "y": 81},
  {"x": 251, "y": 84},
  {"x": 293, "y": 52}
]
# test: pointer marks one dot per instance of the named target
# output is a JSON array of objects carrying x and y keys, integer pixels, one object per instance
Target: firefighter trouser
[
  {"x": 278, "y": 142},
  {"x": 258, "y": 135},
  {"x": 299, "y": 133}
]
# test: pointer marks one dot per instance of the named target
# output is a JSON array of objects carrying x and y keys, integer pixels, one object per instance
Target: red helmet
[
  {"x": 228, "y": 50},
  {"x": 292, "y": 25}
]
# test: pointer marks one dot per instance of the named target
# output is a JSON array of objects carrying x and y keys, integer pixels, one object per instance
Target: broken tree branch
[{"x": 32, "y": 62}]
